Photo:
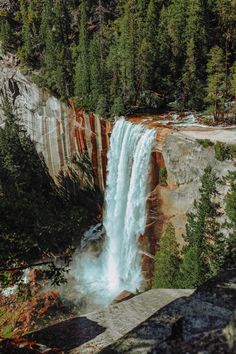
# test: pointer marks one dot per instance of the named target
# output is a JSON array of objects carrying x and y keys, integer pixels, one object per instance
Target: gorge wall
[{"x": 61, "y": 131}]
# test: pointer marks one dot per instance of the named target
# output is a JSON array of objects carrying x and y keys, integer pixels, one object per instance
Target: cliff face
[
  {"x": 59, "y": 130},
  {"x": 179, "y": 152}
]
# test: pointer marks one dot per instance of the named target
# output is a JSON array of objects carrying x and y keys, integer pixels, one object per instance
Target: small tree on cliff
[
  {"x": 202, "y": 257},
  {"x": 230, "y": 244},
  {"x": 167, "y": 261}
]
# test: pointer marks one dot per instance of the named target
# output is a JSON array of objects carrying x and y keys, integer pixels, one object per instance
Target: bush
[
  {"x": 205, "y": 142},
  {"x": 222, "y": 151},
  {"x": 118, "y": 107},
  {"x": 167, "y": 261},
  {"x": 163, "y": 176}
]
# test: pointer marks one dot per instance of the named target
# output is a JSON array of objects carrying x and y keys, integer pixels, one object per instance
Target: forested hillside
[{"x": 115, "y": 56}]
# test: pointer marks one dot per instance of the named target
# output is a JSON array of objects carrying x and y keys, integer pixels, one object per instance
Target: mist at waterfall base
[{"x": 118, "y": 266}]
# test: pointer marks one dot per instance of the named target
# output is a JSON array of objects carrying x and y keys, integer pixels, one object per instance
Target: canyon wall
[
  {"x": 59, "y": 130},
  {"x": 178, "y": 151}
]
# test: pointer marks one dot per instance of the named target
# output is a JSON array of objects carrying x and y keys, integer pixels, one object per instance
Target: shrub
[
  {"x": 163, "y": 176},
  {"x": 205, "y": 142},
  {"x": 222, "y": 151}
]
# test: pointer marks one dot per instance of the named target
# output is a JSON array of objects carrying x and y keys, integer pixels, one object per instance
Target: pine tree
[
  {"x": 216, "y": 82},
  {"x": 230, "y": 243},
  {"x": 113, "y": 68},
  {"x": 167, "y": 261},
  {"x": 202, "y": 256},
  {"x": 148, "y": 49},
  {"x": 164, "y": 53},
  {"x": 26, "y": 52},
  {"x": 233, "y": 87},
  {"x": 5, "y": 35},
  {"x": 82, "y": 79},
  {"x": 226, "y": 10},
  {"x": 194, "y": 68},
  {"x": 127, "y": 48}
]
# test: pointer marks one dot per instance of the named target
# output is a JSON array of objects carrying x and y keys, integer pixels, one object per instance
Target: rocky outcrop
[
  {"x": 92, "y": 332},
  {"x": 9, "y": 5},
  {"x": 201, "y": 323},
  {"x": 59, "y": 130},
  {"x": 156, "y": 321},
  {"x": 179, "y": 152}
]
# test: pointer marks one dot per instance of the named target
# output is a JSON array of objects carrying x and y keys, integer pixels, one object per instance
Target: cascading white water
[{"x": 118, "y": 267}]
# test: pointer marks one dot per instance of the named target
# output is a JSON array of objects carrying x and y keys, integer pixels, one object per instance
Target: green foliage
[
  {"x": 216, "y": 88},
  {"x": 5, "y": 35},
  {"x": 117, "y": 108},
  {"x": 167, "y": 261},
  {"x": 230, "y": 247},
  {"x": 163, "y": 176},
  {"x": 82, "y": 79},
  {"x": 205, "y": 142},
  {"x": 202, "y": 254},
  {"x": 222, "y": 151},
  {"x": 101, "y": 108},
  {"x": 196, "y": 49},
  {"x": 152, "y": 54}
]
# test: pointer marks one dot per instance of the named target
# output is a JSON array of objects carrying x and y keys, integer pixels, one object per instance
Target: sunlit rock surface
[
  {"x": 92, "y": 332},
  {"x": 201, "y": 323}
]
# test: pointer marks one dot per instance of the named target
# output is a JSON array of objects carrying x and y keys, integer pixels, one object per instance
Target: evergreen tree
[
  {"x": 113, "y": 68},
  {"x": 117, "y": 108},
  {"x": 26, "y": 52},
  {"x": 82, "y": 78},
  {"x": 164, "y": 54},
  {"x": 148, "y": 49},
  {"x": 127, "y": 49},
  {"x": 195, "y": 37},
  {"x": 216, "y": 82},
  {"x": 5, "y": 35},
  {"x": 167, "y": 261},
  {"x": 202, "y": 255},
  {"x": 54, "y": 32},
  {"x": 230, "y": 243},
  {"x": 226, "y": 10}
]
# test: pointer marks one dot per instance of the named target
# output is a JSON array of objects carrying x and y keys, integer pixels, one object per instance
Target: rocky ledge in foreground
[
  {"x": 203, "y": 323},
  {"x": 170, "y": 321},
  {"x": 93, "y": 332}
]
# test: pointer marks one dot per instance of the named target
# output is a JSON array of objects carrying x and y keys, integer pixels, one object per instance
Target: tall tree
[
  {"x": 5, "y": 35},
  {"x": 127, "y": 48},
  {"x": 167, "y": 261},
  {"x": 216, "y": 89},
  {"x": 196, "y": 49},
  {"x": 82, "y": 78},
  {"x": 230, "y": 248},
  {"x": 202, "y": 252},
  {"x": 148, "y": 48},
  {"x": 227, "y": 21}
]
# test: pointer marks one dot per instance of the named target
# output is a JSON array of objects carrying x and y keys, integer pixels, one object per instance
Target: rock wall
[
  {"x": 59, "y": 130},
  {"x": 179, "y": 151}
]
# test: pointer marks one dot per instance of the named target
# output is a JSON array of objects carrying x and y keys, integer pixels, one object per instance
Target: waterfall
[{"x": 118, "y": 268}]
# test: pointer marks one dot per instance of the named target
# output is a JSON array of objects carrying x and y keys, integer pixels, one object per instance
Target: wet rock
[{"x": 124, "y": 295}]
